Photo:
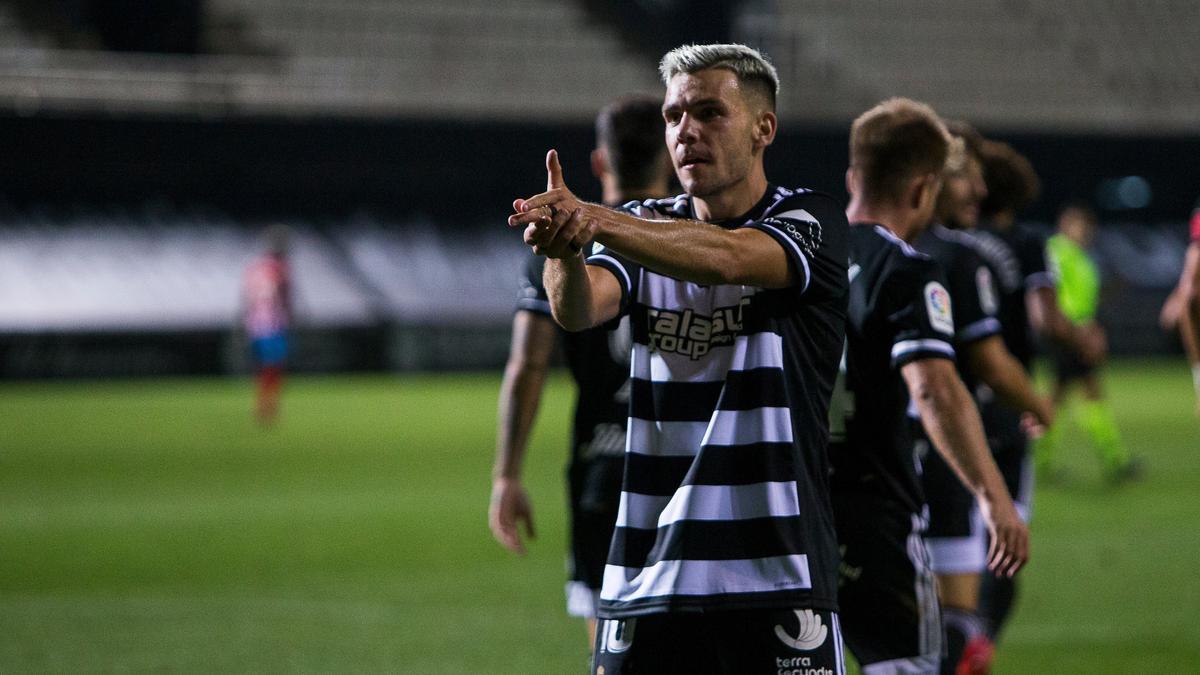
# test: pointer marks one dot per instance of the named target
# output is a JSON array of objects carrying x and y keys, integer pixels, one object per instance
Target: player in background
[
  {"x": 266, "y": 317},
  {"x": 1079, "y": 295},
  {"x": 724, "y": 557},
  {"x": 899, "y": 330},
  {"x": 1028, "y": 304},
  {"x": 631, "y": 163},
  {"x": 956, "y": 536},
  {"x": 1182, "y": 307}
]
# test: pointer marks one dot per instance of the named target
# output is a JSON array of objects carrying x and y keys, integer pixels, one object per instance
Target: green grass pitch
[{"x": 150, "y": 526}]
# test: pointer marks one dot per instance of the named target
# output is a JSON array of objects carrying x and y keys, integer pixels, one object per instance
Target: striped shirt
[{"x": 725, "y": 501}]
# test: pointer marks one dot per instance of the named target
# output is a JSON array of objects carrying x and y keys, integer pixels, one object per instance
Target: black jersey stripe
[
  {"x": 696, "y": 401},
  {"x": 721, "y": 465},
  {"x": 707, "y": 540}
]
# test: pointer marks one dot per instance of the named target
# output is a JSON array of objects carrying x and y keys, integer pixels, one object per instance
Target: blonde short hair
[{"x": 750, "y": 66}]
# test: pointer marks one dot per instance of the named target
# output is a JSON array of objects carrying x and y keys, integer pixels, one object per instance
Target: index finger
[
  {"x": 554, "y": 177},
  {"x": 548, "y": 198}
]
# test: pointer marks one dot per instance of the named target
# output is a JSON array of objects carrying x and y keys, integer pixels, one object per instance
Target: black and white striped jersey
[
  {"x": 725, "y": 502},
  {"x": 899, "y": 312}
]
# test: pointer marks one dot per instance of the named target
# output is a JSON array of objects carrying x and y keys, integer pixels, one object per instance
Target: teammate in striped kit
[
  {"x": 724, "y": 558},
  {"x": 631, "y": 162},
  {"x": 898, "y": 350}
]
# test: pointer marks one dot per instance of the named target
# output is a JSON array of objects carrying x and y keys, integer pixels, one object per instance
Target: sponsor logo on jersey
[
  {"x": 937, "y": 304},
  {"x": 812, "y": 632},
  {"x": 692, "y": 334}
]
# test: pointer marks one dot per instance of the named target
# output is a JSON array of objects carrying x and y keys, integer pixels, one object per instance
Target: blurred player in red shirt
[
  {"x": 1182, "y": 308},
  {"x": 267, "y": 313}
]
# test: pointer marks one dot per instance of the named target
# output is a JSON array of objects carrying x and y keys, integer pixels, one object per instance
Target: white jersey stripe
[
  {"x": 709, "y": 502},
  {"x": 757, "y": 350},
  {"x": 726, "y": 427},
  {"x": 707, "y": 577},
  {"x": 909, "y": 346}
]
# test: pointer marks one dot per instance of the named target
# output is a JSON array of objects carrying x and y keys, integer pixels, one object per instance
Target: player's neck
[
  {"x": 734, "y": 200},
  {"x": 896, "y": 220}
]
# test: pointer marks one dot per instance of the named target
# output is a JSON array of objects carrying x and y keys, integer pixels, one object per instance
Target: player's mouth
[{"x": 692, "y": 161}]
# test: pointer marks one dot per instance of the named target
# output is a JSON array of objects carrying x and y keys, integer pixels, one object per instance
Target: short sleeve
[
  {"x": 813, "y": 231},
  {"x": 920, "y": 318},
  {"x": 532, "y": 294},
  {"x": 973, "y": 288},
  {"x": 627, "y": 272},
  {"x": 1031, "y": 255}
]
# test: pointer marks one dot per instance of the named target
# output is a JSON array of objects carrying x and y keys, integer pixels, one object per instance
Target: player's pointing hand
[{"x": 556, "y": 198}]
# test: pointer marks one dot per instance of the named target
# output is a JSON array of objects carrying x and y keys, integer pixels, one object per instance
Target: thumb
[{"x": 554, "y": 177}]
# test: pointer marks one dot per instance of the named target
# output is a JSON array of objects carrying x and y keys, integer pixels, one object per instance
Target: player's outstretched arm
[
  {"x": 996, "y": 367},
  {"x": 520, "y": 392},
  {"x": 691, "y": 250},
  {"x": 952, "y": 422}
]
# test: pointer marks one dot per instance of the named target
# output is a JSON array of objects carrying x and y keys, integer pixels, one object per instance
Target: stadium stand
[
  {"x": 122, "y": 270},
  {"x": 392, "y": 134},
  {"x": 1000, "y": 63},
  {"x": 1011, "y": 64}
]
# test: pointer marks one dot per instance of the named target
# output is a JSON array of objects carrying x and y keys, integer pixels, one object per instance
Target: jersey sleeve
[
  {"x": 532, "y": 294},
  {"x": 976, "y": 303},
  {"x": 812, "y": 229},
  {"x": 1031, "y": 255},
  {"x": 627, "y": 272},
  {"x": 920, "y": 319}
]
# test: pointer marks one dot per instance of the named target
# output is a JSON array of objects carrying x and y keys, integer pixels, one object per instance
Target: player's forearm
[
  {"x": 1049, "y": 321},
  {"x": 952, "y": 422},
  {"x": 569, "y": 288},
  {"x": 996, "y": 367},
  {"x": 690, "y": 250},
  {"x": 520, "y": 395}
]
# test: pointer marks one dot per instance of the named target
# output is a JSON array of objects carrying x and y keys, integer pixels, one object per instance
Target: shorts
[
  {"x": 774, "y": 641},
  {"x": 956, "y": 537},
  {"x": 1069, "y": 366},
  {"x": 270, "y": 350},
  {"x": 1013, "y": 460},
  {"x": 887, "y": 595},
  {"x": 1010, "y": 449},
  {"x": 595, "y": 496}
]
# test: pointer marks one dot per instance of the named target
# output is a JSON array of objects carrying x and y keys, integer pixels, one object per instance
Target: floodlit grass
[{"x": 150, "y": 526}]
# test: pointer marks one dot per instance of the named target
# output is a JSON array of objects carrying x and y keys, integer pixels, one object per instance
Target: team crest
[{"x": 937, "y": 304}]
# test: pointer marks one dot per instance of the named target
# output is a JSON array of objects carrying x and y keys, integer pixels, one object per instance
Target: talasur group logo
[{"x": 812, "y": 632}]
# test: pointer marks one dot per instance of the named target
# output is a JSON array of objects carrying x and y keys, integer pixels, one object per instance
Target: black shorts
[
  {"x": 1068, "y": 365},
  {"x": 1010, "y": 449},
  {"x": 595, "y": 493},
  {"x": 887, "y": 596},
  {"x": 956, "y": 537},
  {"x": 1013, "y": 460},
  {"x": 743, "y": 642}
]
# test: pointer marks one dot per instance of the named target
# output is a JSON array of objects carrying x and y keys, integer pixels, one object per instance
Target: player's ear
[
  {"x": 851, "y": 181},
  {"x": 764, "y": 129},
  {"x": 599, "y": 162},
  {"x": 922, "y": 190}
]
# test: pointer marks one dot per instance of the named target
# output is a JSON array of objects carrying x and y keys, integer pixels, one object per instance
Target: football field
[{"x": 149, "y": 525}]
